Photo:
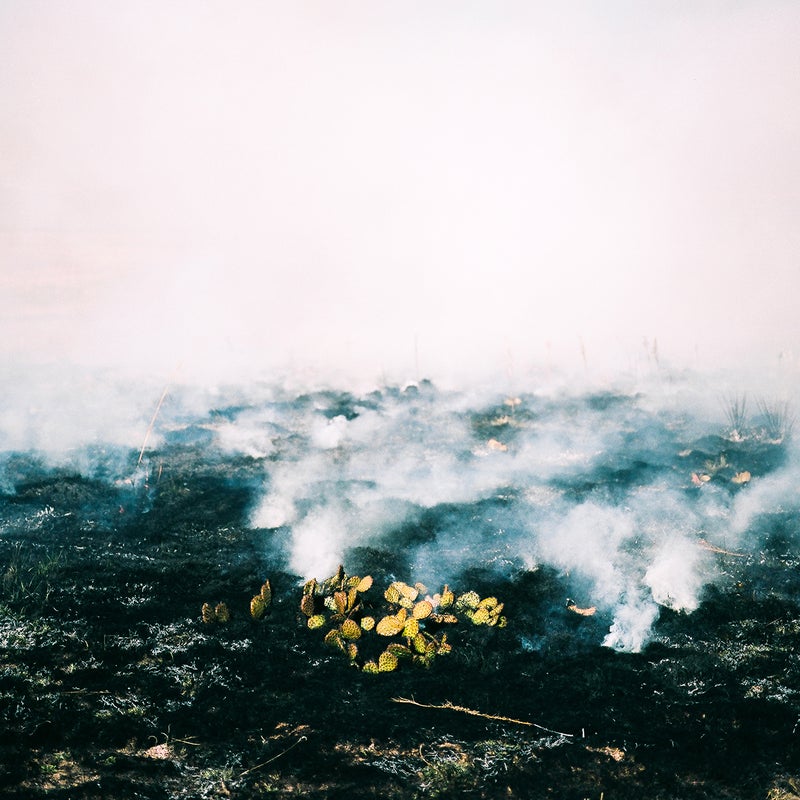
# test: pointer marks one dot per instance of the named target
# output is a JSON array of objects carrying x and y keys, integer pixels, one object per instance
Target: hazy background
[{"x": 398, "y": 188}]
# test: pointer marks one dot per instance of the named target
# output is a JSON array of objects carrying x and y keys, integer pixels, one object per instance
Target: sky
[{"x": 398, "y": 189}]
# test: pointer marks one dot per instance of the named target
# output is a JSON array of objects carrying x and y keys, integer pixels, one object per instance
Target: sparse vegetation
[{"x": 411, "y": 625}]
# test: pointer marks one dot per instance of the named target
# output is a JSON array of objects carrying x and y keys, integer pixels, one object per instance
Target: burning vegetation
[{"x": 163, "y": 634}]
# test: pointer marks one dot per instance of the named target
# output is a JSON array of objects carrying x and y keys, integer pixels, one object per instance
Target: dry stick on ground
[
  {"x": 274, "y": 758},
  {"x": 448, "y": 706}
]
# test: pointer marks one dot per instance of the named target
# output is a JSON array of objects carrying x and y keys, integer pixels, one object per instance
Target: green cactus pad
[
  {"x": 317, "y": 621},
  {"x": 420, "y": 643},
  {"x": 468, "y": 600},
  {"x": 400, "y": 650}
]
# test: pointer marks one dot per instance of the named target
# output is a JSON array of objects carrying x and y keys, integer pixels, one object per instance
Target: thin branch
[
  {"x": 448, "y": 706},
  {"x": 150, "y": 426},
  {"x": 274, "y": 758},
  {"x": 155, "y": 417}
]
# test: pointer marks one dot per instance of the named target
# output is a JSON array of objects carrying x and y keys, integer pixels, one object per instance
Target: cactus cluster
[
  {"x": 408, "y": 624},
  {"x": 217, "y": 613},
  {"x": 259, "y": 605}
]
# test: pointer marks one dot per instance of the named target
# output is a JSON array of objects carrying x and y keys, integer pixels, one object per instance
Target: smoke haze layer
[{"x": 398, "y": 192}]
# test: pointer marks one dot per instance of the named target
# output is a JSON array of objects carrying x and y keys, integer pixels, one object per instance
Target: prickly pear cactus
[
  {"x": 218, "y": 613},
  {"x": 408, "y": 617},
  {"x": 260, "y": 603}
]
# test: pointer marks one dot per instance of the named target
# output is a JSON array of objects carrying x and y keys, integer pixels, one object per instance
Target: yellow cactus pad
[
  {"x": 411, "y": 628},
  {"x": 371, "y": 668},
  {"x": 365, "y": 584},
  {"x": 351, "y": 629},
  {"x": 392, "y": 594},
  {"x": 368, "y": 623},
  {"x": 266, "y": 592},
  {"x": 257, "y": 607},
  {"x": 387, "y": 662},
  {"x": 333, "y": 638},
  {"x": 480, "y": 616},
  {"x": 208, "y": 615},
  {"x": 307, "y": 605},
  {"x": 422, "y": 610},
  {"x": 222, "y": 613},
  {"x": 390, "y": 626},
  {"x": 420, "y": 643},
  {"x": 316, "y": 621},
  {"x": 447, "y": 598},
  {"x": 340, "y": 602}
]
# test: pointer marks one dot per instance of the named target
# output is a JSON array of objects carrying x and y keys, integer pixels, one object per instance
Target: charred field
[{"x": 645, "y": 548}]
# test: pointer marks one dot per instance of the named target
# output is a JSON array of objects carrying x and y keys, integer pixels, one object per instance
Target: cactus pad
[
  {"x": 390, "y": 626},
  {"x": 351, "y": 629},
  {"x": 422, "y": 609},
  {"x": 387, "y": 662},
  {"x": 365, "y": 584},
  {"x": 307, "y": 605}
]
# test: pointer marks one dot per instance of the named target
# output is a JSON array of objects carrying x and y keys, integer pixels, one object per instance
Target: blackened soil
[{"x": 112, "y": 686}]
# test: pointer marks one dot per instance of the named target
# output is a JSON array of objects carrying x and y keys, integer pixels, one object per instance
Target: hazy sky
[{"x": 399, "y": 186}]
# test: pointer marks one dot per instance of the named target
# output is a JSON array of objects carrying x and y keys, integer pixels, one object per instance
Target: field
[{"x": 644, "y": 544}]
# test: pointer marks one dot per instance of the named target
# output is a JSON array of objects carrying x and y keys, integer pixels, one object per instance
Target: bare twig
[
  {"x": 274, "y": 758},
  {"x": 448, "y": 706}
]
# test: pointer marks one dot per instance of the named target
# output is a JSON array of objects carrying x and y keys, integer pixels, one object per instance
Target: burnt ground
[{"x": 111, "y": 685}]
